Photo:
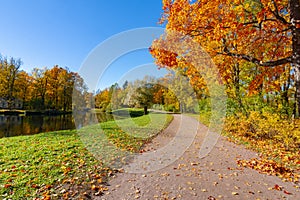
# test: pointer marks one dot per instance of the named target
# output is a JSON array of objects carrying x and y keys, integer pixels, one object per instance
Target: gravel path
[{"x": 216, "y": 176}]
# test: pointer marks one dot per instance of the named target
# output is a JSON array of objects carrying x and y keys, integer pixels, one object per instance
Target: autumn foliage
[
  {"x": 42, "y": 89},
  {"x": 255, "y": 46},
  {"x": 252, "y": 43}
]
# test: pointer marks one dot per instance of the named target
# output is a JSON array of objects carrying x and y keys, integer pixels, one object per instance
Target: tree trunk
[
  {"x": 285, "y": 95},
  {"x": 295, "y": 19},
  {"x": 145, "y": 110},
  {"x": 297, "y": 92},
  {"x": 236, "y": 84}
]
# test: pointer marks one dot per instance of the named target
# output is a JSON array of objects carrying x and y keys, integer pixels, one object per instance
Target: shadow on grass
[
  {"x": 57, "y": 133},
  {"x": 126, "y": 113}
]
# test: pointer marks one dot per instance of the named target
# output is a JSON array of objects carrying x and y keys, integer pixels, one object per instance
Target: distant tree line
[
  {"x": 41, "y": 89},
  {"x": 170, "y": 93}
]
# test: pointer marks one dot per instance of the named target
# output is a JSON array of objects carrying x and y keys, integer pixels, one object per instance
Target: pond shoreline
[{"x": 33, "y": 112}]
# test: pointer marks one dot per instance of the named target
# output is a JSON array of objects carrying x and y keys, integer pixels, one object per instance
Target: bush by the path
[{"x": 277, "y": 139}]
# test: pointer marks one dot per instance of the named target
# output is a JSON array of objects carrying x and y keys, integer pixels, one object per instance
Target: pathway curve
[{"x": 216, "y": 176}]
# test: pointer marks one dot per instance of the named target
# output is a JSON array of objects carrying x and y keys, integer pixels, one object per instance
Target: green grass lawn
[{"x": 53, "y": 164}]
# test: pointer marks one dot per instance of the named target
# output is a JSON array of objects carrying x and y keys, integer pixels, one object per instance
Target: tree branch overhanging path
[
  {"x": 261, "y": 36},
  {"x": 216, "y": 176}
]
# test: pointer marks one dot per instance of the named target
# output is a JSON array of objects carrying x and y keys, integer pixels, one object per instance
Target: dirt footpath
[{"x": 216, "y": 176}]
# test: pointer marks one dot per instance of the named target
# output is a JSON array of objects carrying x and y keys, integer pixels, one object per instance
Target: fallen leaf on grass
[
  {"x": 35, "y": 186},
  {"x": 7, "y": 185}
]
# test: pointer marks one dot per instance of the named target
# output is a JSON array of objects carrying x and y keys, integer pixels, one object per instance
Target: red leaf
[
  {"x": 277, "y": 187},
  {"x": 287, "y": 192}
]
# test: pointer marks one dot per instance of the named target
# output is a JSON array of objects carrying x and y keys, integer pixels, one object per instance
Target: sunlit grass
[{"x": 41, "y": 165}]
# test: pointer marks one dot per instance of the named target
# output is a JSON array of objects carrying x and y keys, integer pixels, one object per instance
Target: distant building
[{"x": 15, "y": 104}]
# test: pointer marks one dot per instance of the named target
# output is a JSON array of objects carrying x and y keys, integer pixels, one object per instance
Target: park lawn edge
[{"x": 53, "y": 164}]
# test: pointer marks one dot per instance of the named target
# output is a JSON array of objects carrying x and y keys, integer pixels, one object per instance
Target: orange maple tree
[{"x": 234, "y": 33}]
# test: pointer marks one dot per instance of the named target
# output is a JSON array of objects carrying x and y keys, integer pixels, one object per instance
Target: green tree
[{"x": 144, "y": 96}]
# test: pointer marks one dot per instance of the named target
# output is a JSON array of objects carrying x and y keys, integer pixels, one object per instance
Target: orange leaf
[
  {"x": 7, "y": 185},
  {"x": 286, "y": 192},
  {"x": 277, "y": 187}
]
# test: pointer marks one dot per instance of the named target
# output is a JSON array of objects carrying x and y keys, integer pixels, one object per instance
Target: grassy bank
[
  {"x": 33, "y": 112},
  {"x": 63, "y": 163}
]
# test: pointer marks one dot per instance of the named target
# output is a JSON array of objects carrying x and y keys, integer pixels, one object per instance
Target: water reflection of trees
[{"x": 28, "y": 125}]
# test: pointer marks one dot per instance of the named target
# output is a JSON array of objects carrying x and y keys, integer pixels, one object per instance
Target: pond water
[{"x": 15, "y": 125}]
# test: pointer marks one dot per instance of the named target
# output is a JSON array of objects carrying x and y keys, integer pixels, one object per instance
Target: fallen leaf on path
[
  {"x": 63, "y": 191},
  {"x": 193, "y": 164},
  {"x": 165, "y": 174},
  {"x": 98, "y": 193},
  {"x": 286, "y": 192},
  {"x": 100, "y": 180},
  {"x": 190, "y": 183},
  {"x": 248, "y": 184},
  {"x": 277, "y": 187}
]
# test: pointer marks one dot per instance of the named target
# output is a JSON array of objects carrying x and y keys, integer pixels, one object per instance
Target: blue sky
[{"x": 44, "y": 33}]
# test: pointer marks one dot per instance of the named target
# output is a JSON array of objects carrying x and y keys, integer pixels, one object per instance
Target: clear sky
[{"x": 44, "y": 33}]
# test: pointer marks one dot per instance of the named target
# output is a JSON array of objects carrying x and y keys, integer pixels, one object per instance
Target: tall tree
[
  {"x": 9, "y": 73},
  {"x": 144, "y": 96},
  {"x": 181, "y": 87},
  {"x": 263, "y": 32},
  {"x": 54, "y": 85},
  {"x": 24, "y": 87},
  {"x": 40, "y": 84}
]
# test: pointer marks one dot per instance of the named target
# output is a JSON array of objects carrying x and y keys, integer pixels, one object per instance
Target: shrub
[{"x": 278, "y": 139}]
